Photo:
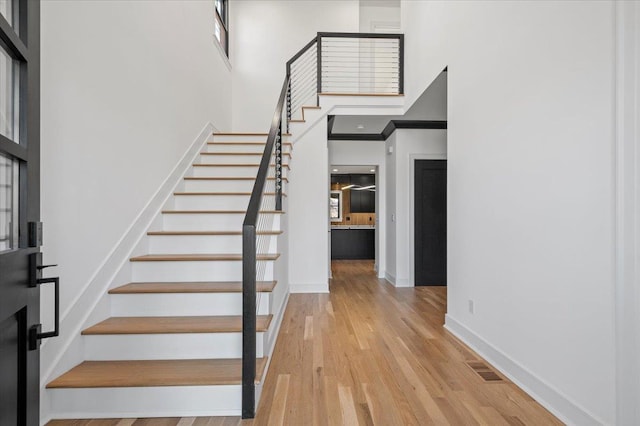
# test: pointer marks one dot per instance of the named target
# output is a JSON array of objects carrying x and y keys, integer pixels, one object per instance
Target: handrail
[
  {"x": 298, "y": 88},
  {"x": 249, "y": 255}
]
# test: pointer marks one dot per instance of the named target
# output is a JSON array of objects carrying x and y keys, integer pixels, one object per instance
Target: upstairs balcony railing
[
  {"x": 331, "y": 64},
  {"x": 345, "y": 64}
]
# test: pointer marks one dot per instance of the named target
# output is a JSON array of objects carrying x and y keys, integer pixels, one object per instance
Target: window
[{"x": 221, "y": 25}]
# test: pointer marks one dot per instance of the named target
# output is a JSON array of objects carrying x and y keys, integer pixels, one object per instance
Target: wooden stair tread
[
  {"x": 284, "y": 154},
  {"x": 228, "y": 178},
  {"x": 244, "y": 143},
  {"x": 223, "y": 193},
  {"x": 210, "y": 232},
  {"x": 183, "y": 372},
  {"x": 233, "y": 165},
  {"x": 218, "y": 212},
  {"x": 244, "y": 134},
  {"x": 311, "y": 107},
  {"x": 171, "y": 325},
  {"x": 239, "y": 134},
  {"x": 199, "y": 257},
  {"x": 190, "y": 287},
  {"x": 297, "y": 121},
  {"x": 361, "y": 94}
]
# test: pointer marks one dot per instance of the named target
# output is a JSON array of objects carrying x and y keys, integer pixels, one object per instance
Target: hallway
[{"x": 368, "y": 353}]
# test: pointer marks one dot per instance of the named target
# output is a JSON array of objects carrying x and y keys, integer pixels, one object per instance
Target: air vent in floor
[{"x": 484, "y": 371}]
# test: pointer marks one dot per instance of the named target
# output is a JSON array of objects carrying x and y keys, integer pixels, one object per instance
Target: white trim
[
  {"x": 411, "y": 214},
  {"x": 552, "y": 399},
  {"x": 390, "y": 278},
  {"x": 627, "y": 194},
  {"x": 74, "y": 318},
  {"x": 309, "y": 288}
]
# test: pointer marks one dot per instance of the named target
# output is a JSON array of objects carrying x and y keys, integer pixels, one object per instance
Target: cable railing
[
  {"x": 331, "y": 63},
  {"x": 254, "y": 249},
  {"x": 345, "y": 63}
]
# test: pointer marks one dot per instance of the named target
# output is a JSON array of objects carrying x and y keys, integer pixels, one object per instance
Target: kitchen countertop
[{"x": 353, "y": 227}]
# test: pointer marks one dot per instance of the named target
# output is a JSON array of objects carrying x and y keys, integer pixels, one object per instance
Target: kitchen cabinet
[
  {"x": 363, "y": 201},
  {"x": 352, "y": 243}
]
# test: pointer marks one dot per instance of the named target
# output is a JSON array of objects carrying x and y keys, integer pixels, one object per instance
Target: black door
[
  {"x": 431, "y": 222},
  {"x": 19, "y": 210}
]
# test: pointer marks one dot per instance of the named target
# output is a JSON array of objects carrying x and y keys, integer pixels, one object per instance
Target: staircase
[{"x": 173, "y": 343}]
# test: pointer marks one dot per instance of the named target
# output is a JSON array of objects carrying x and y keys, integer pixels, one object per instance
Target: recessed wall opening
[{"x": 352, "y": 212}]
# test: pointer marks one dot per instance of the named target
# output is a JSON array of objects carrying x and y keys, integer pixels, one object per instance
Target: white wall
[
  {"x": 408, "y": 145},
  {"x": 531, "y": 188},
  {"x": 126, "y": 88},
  {"x": 379, "y": 16},
  {"x": 308, "y": 212},
  {"x": 367, "y": 153},
  {"x": 265, "y": 34},
  {"x": 628, "y": 217}
]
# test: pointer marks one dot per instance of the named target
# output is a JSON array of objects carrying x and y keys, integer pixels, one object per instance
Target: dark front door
[
  {"x": 430, "y": 222},
  {"x": 19, "y": 209}
]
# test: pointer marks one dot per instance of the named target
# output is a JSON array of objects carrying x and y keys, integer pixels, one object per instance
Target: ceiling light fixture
[
  {"x": 335, "y": 170},
  {"x": 364, "y": 187},
  {"x": 360, "y": 127},
  {"x": 372, "y": 170}
]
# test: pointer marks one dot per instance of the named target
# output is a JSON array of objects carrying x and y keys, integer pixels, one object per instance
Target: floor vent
[{"x": 484, "y": 371}]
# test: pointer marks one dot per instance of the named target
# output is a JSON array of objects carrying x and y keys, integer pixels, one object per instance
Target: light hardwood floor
[{"x": 368, "y": 353}]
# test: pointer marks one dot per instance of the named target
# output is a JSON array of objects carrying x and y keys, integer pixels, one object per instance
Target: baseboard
[
  {"x": 397, "y": 282},
  {"x": 390, "y": 278},
  {"x": 74, "y": 318},
  {"x": 309, "y": 288},
  {"x": 550, "y": 398}
]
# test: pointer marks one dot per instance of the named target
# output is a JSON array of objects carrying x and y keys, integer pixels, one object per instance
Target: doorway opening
[{"x": 352, "y": 212}]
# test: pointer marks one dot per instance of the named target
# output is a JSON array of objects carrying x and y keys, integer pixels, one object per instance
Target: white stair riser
[
  {"x": 238, "y": 147},
  {"x": 191, "y": 185},
  {"x": 195, "y": 271},
  {"x": 183, "y": 304},
  {"x": 236, "y": 159},
  {"x": 239, "y": 138},
  {"x": 219, "y": 202},
  {"x": 185, "y": 244},
  {"x": 167, "y": 346},
  {"x": 213, "y": 222},
  {"x": 156, "y": 401},
  {"x": 230, "y": 171}
]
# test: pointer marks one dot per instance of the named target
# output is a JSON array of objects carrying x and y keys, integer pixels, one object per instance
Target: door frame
[
  {"x": 412, "y": 214},
  {"x": 24, "y": 46}
]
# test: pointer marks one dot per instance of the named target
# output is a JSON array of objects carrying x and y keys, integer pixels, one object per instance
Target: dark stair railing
[{"x": 331, "y": 63}]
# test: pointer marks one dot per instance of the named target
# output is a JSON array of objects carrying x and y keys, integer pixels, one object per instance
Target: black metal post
[
  {"x": 288, "y": 98},
  {"x": 248, "y": 321},
  {"x": 401, "y": 66},
  {"x": 278, "y": 149},
  {"x": 319, "y": 66}
]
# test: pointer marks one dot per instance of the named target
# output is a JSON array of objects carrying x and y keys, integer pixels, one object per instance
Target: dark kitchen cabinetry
[
  {"x": 363, "y": 201},
  {"x": 353, "y": 244}
]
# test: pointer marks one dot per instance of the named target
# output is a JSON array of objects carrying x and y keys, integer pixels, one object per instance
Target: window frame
[{"x": 222, "y": 21}]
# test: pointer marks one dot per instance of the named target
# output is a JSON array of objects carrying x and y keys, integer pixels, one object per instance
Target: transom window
[{"x": 221, "y": 26}]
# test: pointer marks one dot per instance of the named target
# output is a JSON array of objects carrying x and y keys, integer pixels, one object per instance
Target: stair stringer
[{"x": 92, "y": 304}]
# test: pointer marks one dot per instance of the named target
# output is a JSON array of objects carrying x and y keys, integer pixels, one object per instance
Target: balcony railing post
[
  {"x": 248, "y": 321},
  {"x": 319, "y": 68},
  {"x": 278, "y": 149},
  {"x": 401, "y": 64}
]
